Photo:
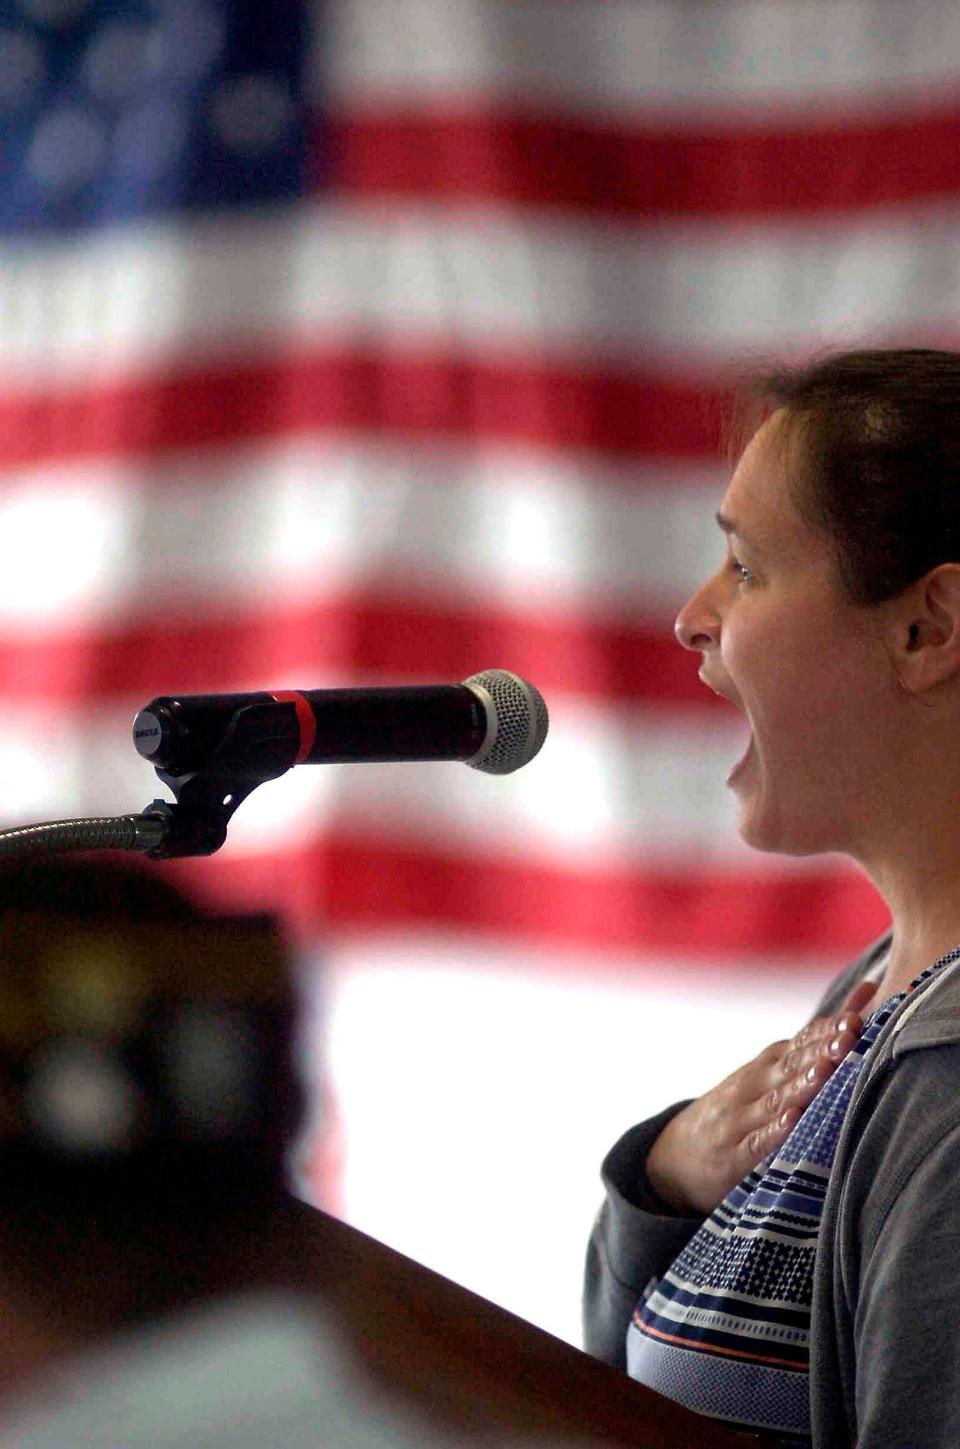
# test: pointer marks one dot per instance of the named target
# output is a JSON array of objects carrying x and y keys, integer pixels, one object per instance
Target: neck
[
  {"x": 910, "y": 848},
  {"x": 925, "y": 914}
]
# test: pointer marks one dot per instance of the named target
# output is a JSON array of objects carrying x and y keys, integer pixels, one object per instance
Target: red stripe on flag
[
  {"x": 348, "y": 883},
  {"x": 414, "y": 393},
  {"x": 364, "y": 634},
  {"x": 757, "y": 166}
]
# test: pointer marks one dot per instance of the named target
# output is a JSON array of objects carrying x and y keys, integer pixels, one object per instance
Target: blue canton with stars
[{"x": 118, "y": 110}]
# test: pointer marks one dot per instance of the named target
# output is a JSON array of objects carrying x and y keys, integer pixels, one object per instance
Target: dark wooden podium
[
  {"x": 478, "y": 1372},
  {"x": 474, "y": 1368}
]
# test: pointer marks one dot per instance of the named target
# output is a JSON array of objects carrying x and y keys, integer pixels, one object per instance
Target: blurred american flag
[{"x": 383, "y": 341}]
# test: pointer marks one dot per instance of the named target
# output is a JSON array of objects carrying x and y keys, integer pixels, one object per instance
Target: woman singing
[{"x": 783, "y": 1253}]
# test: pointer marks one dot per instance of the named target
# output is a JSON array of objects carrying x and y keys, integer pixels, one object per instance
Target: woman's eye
[{"x": 738, "y": 568}]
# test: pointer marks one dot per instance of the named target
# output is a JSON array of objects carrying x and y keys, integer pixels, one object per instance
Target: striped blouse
[{"x": 726, "y": 1330}]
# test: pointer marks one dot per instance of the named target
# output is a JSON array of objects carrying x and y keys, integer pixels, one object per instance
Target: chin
[{"x": 777, "y": 834}]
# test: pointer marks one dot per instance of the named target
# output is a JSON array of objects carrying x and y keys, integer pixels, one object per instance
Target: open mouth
[
  {"x": 748, "y": 755},
  {"x": 745, "y": 760}
]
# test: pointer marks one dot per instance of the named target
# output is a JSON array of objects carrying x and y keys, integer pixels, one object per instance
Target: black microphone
[{"x": 494, "y": 721}]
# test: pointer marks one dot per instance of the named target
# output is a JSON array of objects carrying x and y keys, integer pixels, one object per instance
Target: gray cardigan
[{"x": 885, "y": 1320}]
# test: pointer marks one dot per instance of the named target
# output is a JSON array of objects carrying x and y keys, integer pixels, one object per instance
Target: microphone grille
[{"x": 517, "y": 721}]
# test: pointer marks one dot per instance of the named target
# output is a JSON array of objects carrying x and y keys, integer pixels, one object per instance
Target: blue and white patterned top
[{"x": 726, "y": 1330}]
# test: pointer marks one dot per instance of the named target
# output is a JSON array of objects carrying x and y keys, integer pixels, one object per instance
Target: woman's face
[{"x": 808, "y": 669}]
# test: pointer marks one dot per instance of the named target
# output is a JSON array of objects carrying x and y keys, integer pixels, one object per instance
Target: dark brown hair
[{"x": 879, "y": 449}]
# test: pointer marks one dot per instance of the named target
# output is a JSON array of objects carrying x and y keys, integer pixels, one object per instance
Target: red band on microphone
[{"x": 305, "y": 719}]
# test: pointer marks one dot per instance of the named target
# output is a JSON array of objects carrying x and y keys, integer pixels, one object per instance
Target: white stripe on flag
[
  {"x": 499, "y": 283},
  {"x": 84, "y": 542},
  {"x": 599, "y": 57}
]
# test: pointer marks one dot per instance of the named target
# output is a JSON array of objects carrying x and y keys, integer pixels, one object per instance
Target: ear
[{"x": 924, "y": 631}]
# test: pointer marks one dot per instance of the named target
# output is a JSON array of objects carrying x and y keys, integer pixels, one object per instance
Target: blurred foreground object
[{"x": 158, "y": 1284}]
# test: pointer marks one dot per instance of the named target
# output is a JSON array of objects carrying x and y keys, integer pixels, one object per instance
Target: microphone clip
[{"x": 251, "y": 751}]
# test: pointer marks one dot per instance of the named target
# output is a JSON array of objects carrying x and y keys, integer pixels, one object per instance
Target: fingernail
[
  {"x": 811, "y": 1075},
  {"x": 783, "y": 1119},
  {"x": 834, "y": 1050}
]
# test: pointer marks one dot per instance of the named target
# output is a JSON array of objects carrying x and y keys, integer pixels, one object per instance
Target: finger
[
  {"x": 768, "y": 1082},
  {"x": 820, "y": 1037},
  {"x": 763, "y": 1140},
  {"x": 786, "y": 1081},
  {"x": 749, "y": 1082},
  {"x": 806, "y": 1047},
  {"x": 778, "y": 1112},
  {"x": 857, "y": 998},
  {"x": 795, "y": 1094},
  {"x": 854, "y": 1002},
  {"x": 756, "y": 1076},
  {"x": 798, "y": 1090},
  {"x": 810, "y": 1032},
  {"x": 793, "y": 1083},
  {"x": 849, "y": 1024},
  {"x": 835, "y": 1045},
  {"x": 810, "y": 1036},
  {"x": 815, "y": 1064},
  {"x": 771, "y": 1118}
]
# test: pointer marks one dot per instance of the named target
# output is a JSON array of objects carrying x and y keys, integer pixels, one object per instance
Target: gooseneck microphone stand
[
  {"x": 253, "y": 749},
  {"x": 56, "y": 837}
]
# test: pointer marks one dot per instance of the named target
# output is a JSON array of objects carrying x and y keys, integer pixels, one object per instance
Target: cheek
[
  {"x": 758, "y": 654},
  {"x": 788, "y": 673}
]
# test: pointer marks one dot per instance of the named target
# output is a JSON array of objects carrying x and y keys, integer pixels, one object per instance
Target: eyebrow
[{"x": 730, "y": 526}]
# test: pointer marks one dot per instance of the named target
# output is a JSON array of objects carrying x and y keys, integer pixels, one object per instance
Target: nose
[{"x": 698, "y": 623}]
